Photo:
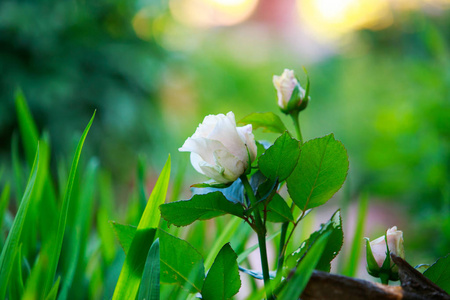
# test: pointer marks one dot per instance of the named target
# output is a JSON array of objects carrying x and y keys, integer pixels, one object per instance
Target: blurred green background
[{"x": 380, "y": 80}]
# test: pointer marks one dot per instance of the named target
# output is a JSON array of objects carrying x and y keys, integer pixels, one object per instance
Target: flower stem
[
  {"x": 261, "y": 232},
  {"x": 384, "y": 278},
  {"x": 295, "y": 118}
]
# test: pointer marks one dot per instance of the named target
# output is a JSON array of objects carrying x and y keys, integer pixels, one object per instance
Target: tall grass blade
[
  {"x": 355, "y": 251},
  {"x": 79, "y": 233},
  {"x": 55, "y": 246},
  {"x": 130, "y": 276},
  {"x": 11, "y": 245},
  {"x": 15, "y": 285},
  {"x": 4, "y": 201}
]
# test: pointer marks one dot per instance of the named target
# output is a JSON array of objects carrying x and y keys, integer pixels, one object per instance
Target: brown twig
[{"x": 414, "y": 286}]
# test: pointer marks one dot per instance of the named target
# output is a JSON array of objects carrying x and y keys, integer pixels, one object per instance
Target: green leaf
[
  {"x": 320, "y": 172},
  {"x": 11, "y": 245},
  {"x": 131, "y": 273},
  {"x": 54, "y": 251},
  {"x": 334, "y": 243},
  {"x": 149, "y": 289},
  {"x": 278, "y": 210},
  {"x": 270, "y": 122},
  {"x": 206, "y": 206},
  {"x": 211, "y": 185},
  {"x": 223, "y": 280},
  {"x": 439, "y": 273},
  {"x": 181, "y": 264},
  {"x": 125, "y": 234},
  {"x": 281, "y": 158},
  {"x": 296, "y": 283}
]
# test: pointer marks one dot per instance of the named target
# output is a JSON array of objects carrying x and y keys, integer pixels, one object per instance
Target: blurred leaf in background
[{"x": 73, "y": 57}]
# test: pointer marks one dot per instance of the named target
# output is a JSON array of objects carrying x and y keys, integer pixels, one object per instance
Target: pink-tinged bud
[
  {"x": 290, "y": 93},
  {"x": 379, "y": 263},
  {"x": 394, "y": 238}
]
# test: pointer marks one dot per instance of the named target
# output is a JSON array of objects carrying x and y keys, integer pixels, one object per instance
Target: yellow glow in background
[
  {"x": 325, "y": 19},
  {"x": 207, "y": 13}
]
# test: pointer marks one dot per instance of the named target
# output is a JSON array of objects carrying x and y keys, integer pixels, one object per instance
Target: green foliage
[
  {"x": 296, "y": 282},
  {"x": 203, "y": 207},
  {"x": 352, "y": 260},
  {"x": 225, "y": 235},
  {"x": 11, "y": 246},
  {"x": 320, "y": 172},
  {"x": 131, "y": 273},
  {"x": 223, "y": 280},
  {"x": 124, "y": 234},
  {"x": 333, "y": 228},
  {"x": 439, "y": 273},
  {"x": 269, "y": 121},
  {"x": 278, "y": 210},
  {"x": 181, "y": 264},
  {"x": 55, "y": 245},
  {"x": 149, "y": 289},
  {"x": 280, "y": 159},
  {"x": 78, "y": 56}
]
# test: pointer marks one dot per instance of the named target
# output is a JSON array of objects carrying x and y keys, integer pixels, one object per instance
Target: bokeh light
[{"x": 207, "y": 13}]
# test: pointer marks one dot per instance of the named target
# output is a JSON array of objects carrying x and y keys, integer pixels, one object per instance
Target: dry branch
[{"x": 414, "y": 286}]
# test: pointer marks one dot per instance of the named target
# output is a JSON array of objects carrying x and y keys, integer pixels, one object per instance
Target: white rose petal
[{"x": 219, "y": 149}]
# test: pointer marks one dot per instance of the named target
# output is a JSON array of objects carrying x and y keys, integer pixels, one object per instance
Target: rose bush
[{"x": 219, "y": 149}]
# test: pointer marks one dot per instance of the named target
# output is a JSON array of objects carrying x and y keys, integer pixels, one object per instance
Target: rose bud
[
  {"x": 291, "y": 96},
  {"x": 379, "y": 263},
  {"x": 219, "y": 149}
]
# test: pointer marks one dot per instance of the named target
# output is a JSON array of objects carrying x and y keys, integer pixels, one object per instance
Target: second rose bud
[{"x": 291, "y": 96}]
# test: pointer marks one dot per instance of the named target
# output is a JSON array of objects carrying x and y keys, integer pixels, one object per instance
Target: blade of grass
[
  {"x": 224, "y": 237},
  {"x": 26, "y": 125},
  {"x": 130, "y": 275},
  {"x": 55, "y": 246},
  {"x": 78, "y": 235},
  {"x": 54, "y": 291},
  {"x": 12, "y": 241},
  {"x": 4, "y": 202},
  {"x": 105, "y": 213},
  {"x": 17, "y": 168},
  {"x": 247, "y": 252},
  {"x": 355, "y": 251},
  {"x": 15, "y": 285}
]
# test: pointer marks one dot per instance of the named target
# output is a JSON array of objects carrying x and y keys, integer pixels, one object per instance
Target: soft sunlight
[
  {"x": 207, "y": 13},
  {"x": 331, "y": 19}
]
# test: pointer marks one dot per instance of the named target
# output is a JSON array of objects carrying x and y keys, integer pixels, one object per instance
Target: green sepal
[
  {"x": 306, "y": 98},
  {"x": 294, "y": 101},
  {"x": 387, "y": 261}
]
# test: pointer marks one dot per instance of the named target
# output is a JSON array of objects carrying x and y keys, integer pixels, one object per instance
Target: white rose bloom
[
  {"x": 395, "y": 243},
  {"x": 285, "y": 85},
  {"x": 219, "y": 149}
]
